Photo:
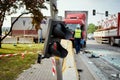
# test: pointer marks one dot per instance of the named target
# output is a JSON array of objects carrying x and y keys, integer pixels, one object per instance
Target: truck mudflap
[
  {"x": 112, "y": 41},
  {"x": 118, "y": 24}
]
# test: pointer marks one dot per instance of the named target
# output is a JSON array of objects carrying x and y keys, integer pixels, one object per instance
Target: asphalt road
[
  {"x": 106, "y": 59},
  {"x": 92, "y": 44}
]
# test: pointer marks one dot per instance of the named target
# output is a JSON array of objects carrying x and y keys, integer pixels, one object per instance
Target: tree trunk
[{"x": 1, "y": 23}]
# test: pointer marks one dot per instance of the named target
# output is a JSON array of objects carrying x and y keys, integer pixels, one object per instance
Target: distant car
[{"x": 90, "y": 36}]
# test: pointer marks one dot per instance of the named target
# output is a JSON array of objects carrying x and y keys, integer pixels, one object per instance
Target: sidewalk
[{"x": 43, "y": 71}]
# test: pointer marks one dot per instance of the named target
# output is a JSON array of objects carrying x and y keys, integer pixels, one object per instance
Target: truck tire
[
  {"x": 85, "y": 44},
  {"x": 112, "y": 41}
]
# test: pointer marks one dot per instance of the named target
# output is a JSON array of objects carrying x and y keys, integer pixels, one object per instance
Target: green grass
[
  {"x": 11, "y": 67},
  {"x": 11, "y": 49}
]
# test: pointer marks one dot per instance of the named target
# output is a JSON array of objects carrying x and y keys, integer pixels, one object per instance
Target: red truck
[
  {"x": 109, "y": 32},
  {"x": 77, "y": 18}
]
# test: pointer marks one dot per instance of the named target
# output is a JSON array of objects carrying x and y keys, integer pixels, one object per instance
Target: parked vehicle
[
  {"x": 77, "y": 18},
  {"x": 109, "y": 31},
  {"x": 90, "y": 36}
]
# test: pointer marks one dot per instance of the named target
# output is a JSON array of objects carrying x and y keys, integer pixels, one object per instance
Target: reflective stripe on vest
[{"x": 77, "y": 33}]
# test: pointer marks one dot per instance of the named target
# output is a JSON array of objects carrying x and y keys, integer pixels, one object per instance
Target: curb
[{"x": 69, "y": 69}]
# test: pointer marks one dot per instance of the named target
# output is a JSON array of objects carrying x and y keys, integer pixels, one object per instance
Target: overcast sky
[
  {"x": 88, "y": 5},
  {"x": 79, "y": 5}
]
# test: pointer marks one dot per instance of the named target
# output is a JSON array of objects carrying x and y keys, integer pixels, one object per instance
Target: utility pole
[{"x": 54, "y": 11}]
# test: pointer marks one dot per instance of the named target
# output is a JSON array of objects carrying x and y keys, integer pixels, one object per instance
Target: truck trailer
[
  {"x": 110, "y": 31},
  {"x": 75, "y": 18}
]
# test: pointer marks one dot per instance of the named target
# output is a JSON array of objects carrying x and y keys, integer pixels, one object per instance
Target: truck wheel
[
  {"x": 112, "y": 41},
  {"x": 85, "y": 44}
]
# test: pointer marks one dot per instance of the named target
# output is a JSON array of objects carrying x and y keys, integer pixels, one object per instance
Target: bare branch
[{"x": 13, "y": 25}]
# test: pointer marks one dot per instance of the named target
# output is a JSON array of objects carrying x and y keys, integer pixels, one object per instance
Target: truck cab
[{"x": 73, "y": 20}]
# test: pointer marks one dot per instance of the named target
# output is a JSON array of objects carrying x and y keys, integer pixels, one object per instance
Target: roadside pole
[
  {"x": 59, "y": 68},
  {"x": 54, "y": 11},
  {"x": 53, "y": 7}
]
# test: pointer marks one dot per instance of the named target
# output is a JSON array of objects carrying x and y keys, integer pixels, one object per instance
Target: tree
[
  {"x": 91, "y": 28},
  {"x": 8, "y": 7}
]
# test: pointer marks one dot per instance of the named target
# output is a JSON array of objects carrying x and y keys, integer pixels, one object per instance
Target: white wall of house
[{"x": 25, "y": 23}]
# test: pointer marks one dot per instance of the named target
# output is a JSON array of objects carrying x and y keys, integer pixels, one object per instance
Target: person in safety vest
[{"x": 77, "y": 38}]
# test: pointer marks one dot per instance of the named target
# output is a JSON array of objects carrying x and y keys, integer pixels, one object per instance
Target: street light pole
[{"x": 51, "y": 9}]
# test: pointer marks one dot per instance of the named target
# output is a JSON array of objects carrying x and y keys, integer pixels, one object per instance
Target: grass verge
[
  {"x": 11, "y": 67},
  {"x": 11, "y": 49}
]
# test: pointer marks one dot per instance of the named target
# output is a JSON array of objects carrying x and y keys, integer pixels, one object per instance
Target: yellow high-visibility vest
[{"x": 77, "y": 33}]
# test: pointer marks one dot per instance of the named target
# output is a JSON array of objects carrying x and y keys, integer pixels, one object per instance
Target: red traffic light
[
  {"x": 55, "y": 46},
  {"x": 55, "y": 49},
  {"x": 56, "y": 31}
]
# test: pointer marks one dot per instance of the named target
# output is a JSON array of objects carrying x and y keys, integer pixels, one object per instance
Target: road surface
[{"x": 103, "y": 62}]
